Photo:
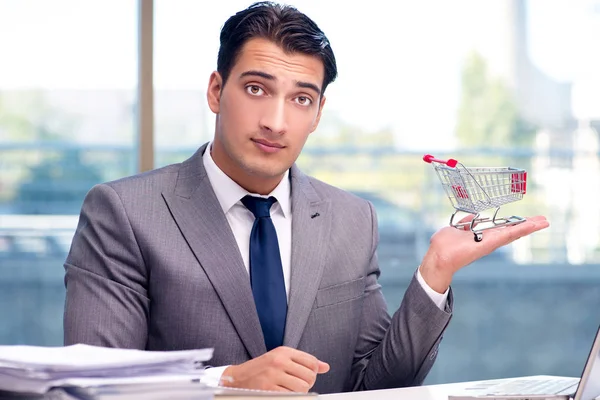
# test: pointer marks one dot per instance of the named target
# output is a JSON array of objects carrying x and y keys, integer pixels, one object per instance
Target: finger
[
  {"x": 514, "y": 232},
  {"x": 467, "y": 218},
  {"x": 309, "y": 361},
  {"x": 292, "y": 383},
  {"x": 537, "y": 218},
  {"x": 533, "y": 225},
  {"x": 465, "y": 222},
  {"x": 540, "y": 221},
  {"x": 539, "y": 225},
  {"x": 323, "y": 367},
  {"x": 309, "y": 376}
]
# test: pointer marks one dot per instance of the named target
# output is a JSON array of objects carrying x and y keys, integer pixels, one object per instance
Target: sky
[{"x": 399, "y": 61}]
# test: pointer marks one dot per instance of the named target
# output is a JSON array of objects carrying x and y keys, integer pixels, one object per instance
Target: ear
[
  {"x": 318, "y": 118},
  {"x": 213, "y": 94}
]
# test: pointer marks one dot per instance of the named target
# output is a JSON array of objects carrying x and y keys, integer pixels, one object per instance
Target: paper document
[
  {"x": 31, "y": 369},
  {"x": 83, "y": 357}
]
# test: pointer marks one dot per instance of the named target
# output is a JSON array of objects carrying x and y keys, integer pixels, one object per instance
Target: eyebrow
[{"x": 261, "y": 74}]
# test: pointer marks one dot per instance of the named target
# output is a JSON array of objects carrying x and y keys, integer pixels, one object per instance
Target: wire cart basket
[{"x": 473, "y": 190}]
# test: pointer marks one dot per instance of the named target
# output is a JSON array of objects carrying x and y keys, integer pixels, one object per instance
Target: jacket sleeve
[
  {"x": 106, "y": 302},
  {"x": 397, "y": 351}
]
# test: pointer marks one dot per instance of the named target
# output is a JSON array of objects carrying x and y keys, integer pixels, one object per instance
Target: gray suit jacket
[{"x": 154, "y": 265}]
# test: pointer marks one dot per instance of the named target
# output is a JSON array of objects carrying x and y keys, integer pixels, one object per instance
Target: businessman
[{"x": 238, "y": 250}]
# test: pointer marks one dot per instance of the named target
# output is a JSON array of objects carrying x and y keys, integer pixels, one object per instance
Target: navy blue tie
[{"x": 266, "y": 272}]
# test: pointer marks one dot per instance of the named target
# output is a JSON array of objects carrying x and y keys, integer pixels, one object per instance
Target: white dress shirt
[
  {"x": 241, "y": 219},
  {"x": 229, "y": 195}
]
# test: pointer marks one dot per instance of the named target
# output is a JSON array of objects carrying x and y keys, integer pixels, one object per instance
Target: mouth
[{"x": 267, "y": 146}]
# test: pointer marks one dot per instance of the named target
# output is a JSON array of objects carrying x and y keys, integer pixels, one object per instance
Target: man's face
[{"x": 269, "y": 105}]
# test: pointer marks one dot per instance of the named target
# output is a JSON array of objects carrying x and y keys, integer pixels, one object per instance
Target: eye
[
  {"x": 254, "y": 90},
  {"x": 303, "y": 101}
]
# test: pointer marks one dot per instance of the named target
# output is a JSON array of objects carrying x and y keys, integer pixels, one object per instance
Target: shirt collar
[{"x": 229, "y": 193}]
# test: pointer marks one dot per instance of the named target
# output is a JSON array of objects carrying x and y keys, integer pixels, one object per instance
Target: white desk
[{"x": 433, "y": 392}]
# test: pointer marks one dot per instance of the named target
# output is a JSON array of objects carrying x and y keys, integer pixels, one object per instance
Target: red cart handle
[{"x": 450, "y": 162}]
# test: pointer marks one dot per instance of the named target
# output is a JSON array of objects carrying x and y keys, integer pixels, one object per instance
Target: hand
[
  {"x": 451, "y": 249},
  {"x": 281, "y": 369}
]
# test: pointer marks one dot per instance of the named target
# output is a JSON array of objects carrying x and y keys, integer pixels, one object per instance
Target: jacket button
[{"x": 433, "y": 354}]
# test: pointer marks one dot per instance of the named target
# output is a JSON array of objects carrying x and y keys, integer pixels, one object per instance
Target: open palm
[{"x": 454, "y": 248}]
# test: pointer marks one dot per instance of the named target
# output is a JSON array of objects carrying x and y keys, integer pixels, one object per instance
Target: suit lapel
[
  {"x": 200, "y": 218},
  {"x": 311, "y": 224}
]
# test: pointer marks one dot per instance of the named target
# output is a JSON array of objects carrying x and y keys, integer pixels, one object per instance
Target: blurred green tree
[
  {"x": 57, "y": 185},
  {"x": 26, "y": 115},
  {"x": 488, "y": 115}
]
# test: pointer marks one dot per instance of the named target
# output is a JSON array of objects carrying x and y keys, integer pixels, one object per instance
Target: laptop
[{"x": 548, "y": 388}]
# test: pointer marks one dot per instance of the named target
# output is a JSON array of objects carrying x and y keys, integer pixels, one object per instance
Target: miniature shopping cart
[{"x": 473, "y": 190}]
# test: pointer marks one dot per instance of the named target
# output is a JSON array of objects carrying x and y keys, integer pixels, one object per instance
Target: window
[
  {"x": 490, "y": 84},
  {"x": 496, "y": 83},
  {"x": 67, "y": 107}
]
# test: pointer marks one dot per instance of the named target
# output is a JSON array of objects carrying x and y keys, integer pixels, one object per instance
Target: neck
[{"x": 256, "y": 185}]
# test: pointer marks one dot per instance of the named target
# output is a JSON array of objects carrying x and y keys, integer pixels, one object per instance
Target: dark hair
[{"x": 284, "y": 25}]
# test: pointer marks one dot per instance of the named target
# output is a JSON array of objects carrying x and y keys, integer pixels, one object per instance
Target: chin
[
  {"x": 270, "y": 173},
  {"x": 267, "y": 171}
]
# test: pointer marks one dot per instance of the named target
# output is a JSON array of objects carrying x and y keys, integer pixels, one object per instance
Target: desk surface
[{"x": 433, "y": 392}]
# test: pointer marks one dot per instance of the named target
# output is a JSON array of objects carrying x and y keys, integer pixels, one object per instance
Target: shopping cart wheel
[{"x": 478, "y": 236}]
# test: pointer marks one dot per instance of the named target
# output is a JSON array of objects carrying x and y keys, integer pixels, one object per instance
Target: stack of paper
[
  {"x": 31, "y": 369},
  {"x": 159, "y": 392}
]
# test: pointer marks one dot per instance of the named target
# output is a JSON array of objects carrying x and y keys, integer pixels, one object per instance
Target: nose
[{"x": 274, "y": 118}]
